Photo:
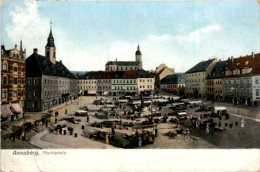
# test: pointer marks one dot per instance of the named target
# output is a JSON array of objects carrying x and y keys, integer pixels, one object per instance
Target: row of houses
[
  {"x": 235, "y": 80},
  {"x": 116, "y": 83}
]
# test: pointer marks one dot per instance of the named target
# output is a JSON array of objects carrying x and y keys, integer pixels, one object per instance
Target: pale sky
[{"x": 179, "y": 34}]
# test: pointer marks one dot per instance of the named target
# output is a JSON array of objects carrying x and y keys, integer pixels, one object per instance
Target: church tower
[
  {"x": 138, "y": 57},
  {"x": 50, "y": 49}
]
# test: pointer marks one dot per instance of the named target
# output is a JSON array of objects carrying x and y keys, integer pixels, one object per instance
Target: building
[
  {"x": 48, "y": 82},
  {"x": 241, "y": 80},
  {"x": 174, "y": 83},
  {"x": 161, "y": 72},
  {"x": 104, "y": 82},
  {"x": 124, "y": 83},
  {"x": 195, "y": 85},
  {"x": 13, "y": 82},
  {"x": 215, "y": 82},
  {"x": 145, "y": 83},
  {"x": 87, "y": 84},
  {"x": 126, "y": 65}
]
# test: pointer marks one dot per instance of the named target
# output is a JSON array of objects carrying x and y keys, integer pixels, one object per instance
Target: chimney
[
  {"x": 232, "y": 58},
  {"x": 60, "y": 61},
  {"x": 35, "y": 51},
  {"x": 253, "y": 54}
]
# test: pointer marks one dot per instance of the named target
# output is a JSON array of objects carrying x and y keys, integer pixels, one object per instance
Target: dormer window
[
  {"x": 237, "y": 63},
  {"x": 246, "y": 63}
]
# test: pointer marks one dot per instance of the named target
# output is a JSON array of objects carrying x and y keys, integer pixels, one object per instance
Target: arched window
[{"x": 5, "y": 65}]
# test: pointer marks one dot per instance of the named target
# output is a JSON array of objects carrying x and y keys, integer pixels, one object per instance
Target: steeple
[
  {"x": 50, "y": 49},
  {"x": 138, "y": 57},
  {"x": 50, "y": 40},
  {"x": 21, "y": 49}
]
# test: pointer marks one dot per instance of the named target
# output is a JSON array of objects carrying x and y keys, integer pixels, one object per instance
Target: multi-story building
[
  {"x": 126, "y": 65},
  {"x": 174, "y": 83},
  {"x": 87, "y": 84},
  {"x": 195, "y": 85},
  {"x": 13, "y": 82},
  {"x": 104, "y": 82},
  {"x": 256, "y": 87},
  {"x": 48, "y": 82},
  {"x": 215, "y": 82},
  {"x": 145, "y": 82},
  {"x": 124, "y": 83},
  {"x": 240, "y": 79}
]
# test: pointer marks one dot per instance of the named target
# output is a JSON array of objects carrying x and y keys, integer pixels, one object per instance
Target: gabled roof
[
  {"x": 201, "y": 66},
  {"x": 38, "y": 65},
  {"x": 123, "y": 63},
  {"x": 241, "y": 63},
  {"x": 90, "y": 75},
  {"x": 177, "y": 78},
  {"x": 219, "y": 69}
]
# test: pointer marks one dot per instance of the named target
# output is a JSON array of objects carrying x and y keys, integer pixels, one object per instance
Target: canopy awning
[
  {"x": 105, "y": 92},
  {"x": 80, "y": 91},
  {"x": 6, "y": 111},
  {"x": 92, "y": 92},
  {"x": 16, "y": 108}
]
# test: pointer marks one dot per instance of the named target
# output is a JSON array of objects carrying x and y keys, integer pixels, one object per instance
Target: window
[
  {"x": 35, "y": 81},
  {"x": 5, "y": 80},
  {"x": 30, "y": 81},
  {"x": 34, "y": 104},
  {"x": 256, "y": 80},
  {"x": 4, "y": 94},
  {"x": 34, "y": 93},
  {"x": 4, "y": 66},
  {"x": 15, "y": 68},
  {"x": 14, "y": 93},
  {"x": 257, "y": 92},
  {"x": 15, "y": 80}
]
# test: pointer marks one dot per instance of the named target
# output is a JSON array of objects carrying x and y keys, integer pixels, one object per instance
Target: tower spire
[{"x": 21, "y": 48}]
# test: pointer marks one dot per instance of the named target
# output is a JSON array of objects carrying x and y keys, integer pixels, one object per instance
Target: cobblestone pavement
[{"x": 235, "y": 137}]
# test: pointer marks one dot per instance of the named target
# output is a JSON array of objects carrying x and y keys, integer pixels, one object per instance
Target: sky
[{"x": 177, "y": 33}]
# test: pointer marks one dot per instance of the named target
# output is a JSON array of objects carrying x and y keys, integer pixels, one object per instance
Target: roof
[
  {"x": 201, "y": 66},
  {"x": 123, "y": 63},
  {"x": 91, "y": 75},
  {"x": 177, "y": 78},
  {"x": 50, "y": 40},
  {"x": 38, "y": 65},
  {"x": 250, "y": 61},
  {"x": 138, "y": 52},
  {"x": 144, "y": 74},
  {"x": 219, "y": 69}
]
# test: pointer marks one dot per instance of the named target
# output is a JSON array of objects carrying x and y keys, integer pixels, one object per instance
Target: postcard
[{"x": 130, "y": 86}]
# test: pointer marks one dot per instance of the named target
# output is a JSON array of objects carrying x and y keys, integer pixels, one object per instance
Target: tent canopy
[{"x": 6, "y": 111}]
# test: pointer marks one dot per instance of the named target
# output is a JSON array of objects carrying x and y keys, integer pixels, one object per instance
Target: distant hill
[{"x": 78, "y": 72}]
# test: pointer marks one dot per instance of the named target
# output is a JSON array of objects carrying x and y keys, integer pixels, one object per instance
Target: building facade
[
  {"x": 13, "y": 82},
  {"x": 161, "y": 72},
  {"x": 126, "y": 65},
  {"x": 174, "y": 83},
  {"x": 215, "y": 82},
  {"x": 48, "y": 82},
  {"x": 239, "y": 80},
  {"x": 195, "y": 85},
  {"x": 145, "y": 83},
  {"x": 88, "y": 83}
]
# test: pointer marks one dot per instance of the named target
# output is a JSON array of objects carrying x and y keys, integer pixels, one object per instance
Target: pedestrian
[
  {"x": 133, "y": 132},
  {"x": 65, "y": 111},
  {"x": 207, "y": 129},
  {"x": 197, "y": 124},
  {"x": 107, "y": 139},
  {"x": 242, "y": 123},
  {"x": 87, "y": 119},
  {"x": 58, "y": 131},
  {"x": 56, "y": 120},
  {"x": 23, "y": 135},
  {"x": 139, "y": 141},
  {"x": 113, "y": 130}
]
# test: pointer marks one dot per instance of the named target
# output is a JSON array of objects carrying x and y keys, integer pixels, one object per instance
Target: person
[
  {"x": 113, "y": 130},
  {"x": 197, "y": 124},
  {"x": 23, "y": 135},
  {"x": 65, "y": 111},
  {"x": 107, "y": 139},
  {"x": 207, "y": 129},
  {"x": 242, "y": 123},
  {"x": 56, "y": 120},
  {"x": 133, "y": 132},
  {"x": 58, "y": 132},
  {"x": 87, "y": 119},
  {"x": 139, "y": 141}
]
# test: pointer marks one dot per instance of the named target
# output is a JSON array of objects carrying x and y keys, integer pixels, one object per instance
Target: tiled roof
[
  {"x": 219, "y": 69},
  {"x": 144, "y": 74},
  {"x": 37, "y": 65},
  {"x": 123, "y": 63},
  {"x": 177, "y": 78},
  {"x": 245, "y": 62},
  {"x": 201, "y": 66},
  {"x": 90, "y": 75}
]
